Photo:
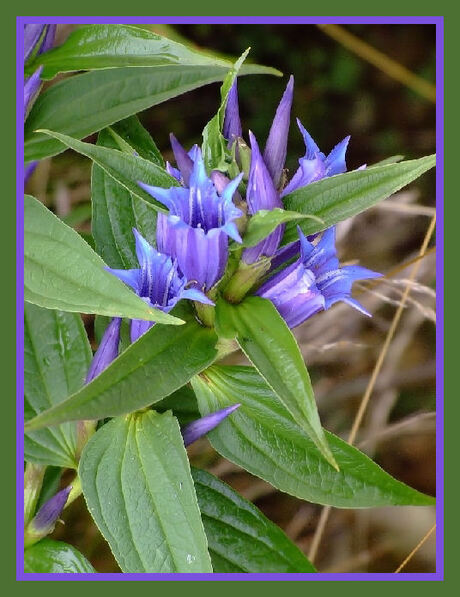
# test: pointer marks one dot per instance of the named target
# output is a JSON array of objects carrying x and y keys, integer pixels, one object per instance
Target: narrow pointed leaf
[
  {"x": 111, "y": 46},
  {"x": 160, "y": 362},
  {"x": 86, "y": 103},
  {"x": 340, "y": 197},
  {"x": 265, "y": 221},
  {"x": 56, "y": 359},
  {"x": 137, "y": 484},
  {"x": 61, "y": 271},
  {"x": 262, "y": 437},
  {"x": 55, "y": 557},
  {"x": 137, "y": 139},
  {"x": 270, "y": 345},
  {"x": 115, "y": 212},
  {"x": 240, "y": 537},
  {"x": 124, "y": 168}
]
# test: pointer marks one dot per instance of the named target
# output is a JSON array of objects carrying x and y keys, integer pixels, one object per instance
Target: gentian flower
[
  {"x": 196, "y": 230},
  {"x": 231, "y": 129},
  {"x": 276, "y": 146},
  {"x": 33, "y": 33},
  {"x": 314, "y": 282},
  {"x": 158, "y": 281},
  {"x": 107, "y": 350},
  {"x": 44, "y": 521},
  {"x": 314, "y": 165},
  {"x": 200, "y": 427},
  {"x": 32, "y": 87},
  {"x": 261, "y": 194}
]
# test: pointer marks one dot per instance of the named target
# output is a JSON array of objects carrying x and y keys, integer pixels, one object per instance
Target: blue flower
[
  {"x": 231, "y": 129},
  {"x": 314, "y": 282},
  {"x": 107, "y": 350},
  {"x": 32, "y": 86},
  {"x": 33, "y": 33},
  {"x": 314, "y": 165},
  {"x": 45, "y": 519},
  {"x": 200, "y": 427},
  {"x": 158, "y": 281},
  {"x": 276, "y": 146},
  {"x": 196, "y": 230},
  {"x": 261, "y": 194}
]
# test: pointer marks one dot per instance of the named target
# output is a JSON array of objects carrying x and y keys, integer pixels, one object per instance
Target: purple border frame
[{"x": 438, "y": 21}]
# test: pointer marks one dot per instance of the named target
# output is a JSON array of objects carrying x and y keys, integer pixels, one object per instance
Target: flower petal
[
  {"x": 232, "y": 123},
  {"x": 200, "y": 427},
  {"x": 276, "y": 146},
  {"x": 107, "y": 351}
]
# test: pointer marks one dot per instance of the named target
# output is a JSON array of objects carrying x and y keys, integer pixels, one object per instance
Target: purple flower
[
  {"x": 200, "y": 427},
  {"x": 196, "y": 230},
  {"x": 276, "y": 146},
  {"x": 107, "y": 351},
  {"x": 315, "y": 165},
  {"x": 232, "y": 124},
  {"x": 158, "y": 281},
  {"x": 45, "y": 519},
  {"x": 261, "y": 194},
  {"x": 314, "y": 282},
  {"x": 32, "y": 87},
  {"x": 32, "y": 35}
]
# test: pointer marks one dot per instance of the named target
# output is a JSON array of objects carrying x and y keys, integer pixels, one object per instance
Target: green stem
[{"x": 244, "y": 278}]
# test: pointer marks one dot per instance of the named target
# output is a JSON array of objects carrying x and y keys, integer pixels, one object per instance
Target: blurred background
[{"x": 339, "y": 90}]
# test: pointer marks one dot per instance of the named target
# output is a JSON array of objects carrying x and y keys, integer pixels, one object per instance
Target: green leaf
[
  {"x": 56, "y": 359},
  {"x": 62, "y": 272},
  {"x": 182, "y": 403},
  {"x": 86, "y": 103},
  {"x": 126, "y": 169},
  {"x": 137, "y": 484},
  {"x": 160, "y": 362},
  {"x": 262, "y": 437},
  {"x": 48, "y": 556},
  {"x": 262, "y": 223},
  {"x": 270, "y": 345},
  {"x": 392, "y": 159},
  {"x": 131, "y": 132},
  {"x": 240, "y": 537},
  {"x": 340, "y": 197},
  {"x": 110, "y": 46},
  {"x": 214, "y": 144},
  {"x": 115, "y": 212}
]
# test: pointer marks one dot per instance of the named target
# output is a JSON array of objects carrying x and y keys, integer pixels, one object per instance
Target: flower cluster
[{"x": 204, "y": 217}]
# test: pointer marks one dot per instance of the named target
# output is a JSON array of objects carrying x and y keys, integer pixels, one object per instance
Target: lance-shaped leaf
[
  {"x": 214, "y": 144},
  {"x": 262, "y": 437},
  {"x": 86, "y": 103},
  {"x": 270, "y": 345},
  {"x": 240, "y": 537},
  {"x": 262, "y": 223},
  {"x": 132, "y": 136},
  {"x": 56, "y": 359},
  {"x": 160, "y": 362},
  {"x": 111, "y": 46},
  {"x": 55, "y": 557},
  {"x": 116, "y": 212},
  {"x": 127, "y": 169},
  {"x": 137, "y": 484},
  {"x": 340, "y": 197},
  {"x": 61, "y": 271}
]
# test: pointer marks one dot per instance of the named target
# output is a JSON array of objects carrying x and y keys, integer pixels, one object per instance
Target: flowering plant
[{"x": 192, "y": 261}]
